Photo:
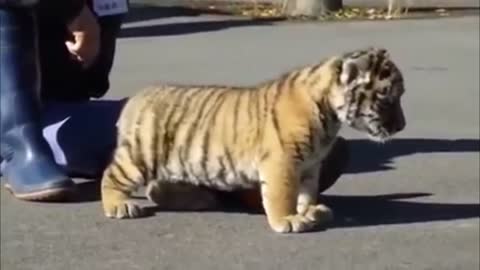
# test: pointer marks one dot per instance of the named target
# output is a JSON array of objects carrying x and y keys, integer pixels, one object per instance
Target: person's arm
[
  {"x": 85, "y": 31},
  {"x": 78, "y": 19},
  {"x": 66, "y": 10}
]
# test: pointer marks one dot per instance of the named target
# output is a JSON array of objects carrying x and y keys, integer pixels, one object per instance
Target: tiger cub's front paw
[
  {"x": 313, "y": 216},
  {"x": 123, "y": 210},
  {"x": 293, "y": 224},
  {"x": 117, "y": 205},
  {"x": 319, "y": 214}
]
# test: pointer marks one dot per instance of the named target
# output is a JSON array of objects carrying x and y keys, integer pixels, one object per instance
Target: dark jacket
[{"x": 63, "y": 10}]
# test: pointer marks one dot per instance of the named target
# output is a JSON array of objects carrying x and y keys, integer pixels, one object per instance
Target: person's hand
[{"x": 86, "y": 37}]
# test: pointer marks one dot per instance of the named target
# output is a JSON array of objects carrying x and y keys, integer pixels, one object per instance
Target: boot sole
[{"x": 48, "y": 195}]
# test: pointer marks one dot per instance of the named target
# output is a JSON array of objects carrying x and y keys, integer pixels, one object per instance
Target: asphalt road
[{"x": 410, "y": 204}]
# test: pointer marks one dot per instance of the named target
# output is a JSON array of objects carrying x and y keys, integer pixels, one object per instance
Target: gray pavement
[{"x": 410, "y": 204}]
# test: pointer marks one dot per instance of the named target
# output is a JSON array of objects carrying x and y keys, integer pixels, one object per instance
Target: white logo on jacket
[{"x": 110, "y": 7}]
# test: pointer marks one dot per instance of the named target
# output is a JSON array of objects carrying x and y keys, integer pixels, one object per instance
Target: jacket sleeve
[{"x": 62, "y": 10}]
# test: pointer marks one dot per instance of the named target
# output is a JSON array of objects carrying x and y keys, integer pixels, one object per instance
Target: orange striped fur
[{"x": 273, "y": 135}]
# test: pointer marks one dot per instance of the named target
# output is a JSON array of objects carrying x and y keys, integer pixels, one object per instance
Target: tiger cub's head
[{"x": 368, "y": 93}]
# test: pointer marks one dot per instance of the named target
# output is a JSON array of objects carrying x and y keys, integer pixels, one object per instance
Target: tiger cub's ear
[
  {"x": 356, "y": 67},
  {"x": 354, "y": 73},
  {"x": 349, "y": 72}
]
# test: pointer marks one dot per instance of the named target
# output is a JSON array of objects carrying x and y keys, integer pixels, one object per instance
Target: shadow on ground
[
  {"x": 145, "y": 12},
  {"x": 139, "y": 13},
  {"x": 182, "y": 28},
  {"x": 367, "y": 156},
  {"x": 388, "y": 209},
  {"x": 384, "y": 209}
]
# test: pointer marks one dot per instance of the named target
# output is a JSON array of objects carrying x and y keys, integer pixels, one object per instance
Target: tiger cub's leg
[
  {"x": 120, "y": 179},
  {"x": 280, "y": 183},
  {"x": 308, "y": 196},
  {"x": 180, "y": 196}
]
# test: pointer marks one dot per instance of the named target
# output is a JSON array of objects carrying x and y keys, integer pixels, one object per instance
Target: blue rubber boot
[
  {"x": 29, "y": 171},
  {"x": 82, "y": 135}
]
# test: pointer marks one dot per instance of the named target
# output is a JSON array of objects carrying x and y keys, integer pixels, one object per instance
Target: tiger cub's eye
[{"x": 384, "y": 73}]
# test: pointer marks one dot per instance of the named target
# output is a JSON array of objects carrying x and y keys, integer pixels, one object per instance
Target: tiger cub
[{"x": 273, "y": 135}]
